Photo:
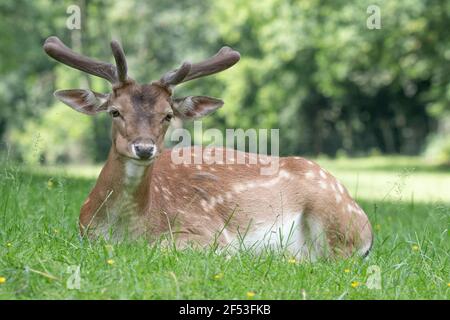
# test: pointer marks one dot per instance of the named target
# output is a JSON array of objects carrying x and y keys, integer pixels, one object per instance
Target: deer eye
[
  {"x": 114, "y": 113},
  {"x": 168, "y": 117}
]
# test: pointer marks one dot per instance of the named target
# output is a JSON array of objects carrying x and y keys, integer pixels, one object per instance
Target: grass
[{"x": 40, "y": 247}]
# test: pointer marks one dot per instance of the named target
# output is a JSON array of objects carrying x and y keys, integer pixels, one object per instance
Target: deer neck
[
  {"x": 122, "y": 187},
  {"x": 126, "y": 177},
  {"x": 120, "y": 198}
]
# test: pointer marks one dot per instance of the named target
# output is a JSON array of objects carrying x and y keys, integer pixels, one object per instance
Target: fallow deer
[{"x": 140, "y": 192}]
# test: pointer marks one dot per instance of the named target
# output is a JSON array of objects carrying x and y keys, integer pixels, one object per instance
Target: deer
[{"x": 301, "y": 208}]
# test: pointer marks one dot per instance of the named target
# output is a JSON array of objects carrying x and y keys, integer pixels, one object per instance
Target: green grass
[{"x": 39, "y": 241}]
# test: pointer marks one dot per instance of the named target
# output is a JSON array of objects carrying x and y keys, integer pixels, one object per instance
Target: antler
[
  {"x": 121, "y": 62},
  {"x": 56, "y": 49},
  {"x": 222, "y": 60}
]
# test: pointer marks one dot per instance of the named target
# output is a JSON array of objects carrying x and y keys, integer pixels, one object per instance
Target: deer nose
[{"x": 144, "y": 151}]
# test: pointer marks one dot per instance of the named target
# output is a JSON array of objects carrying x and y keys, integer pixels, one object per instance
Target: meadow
[{"x": 406, "y": 198}]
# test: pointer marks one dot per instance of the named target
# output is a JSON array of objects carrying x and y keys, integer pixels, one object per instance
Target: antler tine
[
  {"x": 222, "y": 60},
  {"x": 121, "y": 62},
  {"x": 176, "y": 76},
  {"x": 56, "y": 49}
]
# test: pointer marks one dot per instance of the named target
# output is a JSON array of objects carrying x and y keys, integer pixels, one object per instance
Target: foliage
[
  {"x": 311, "y": 68},
  {"x": 59, "y": 136}
]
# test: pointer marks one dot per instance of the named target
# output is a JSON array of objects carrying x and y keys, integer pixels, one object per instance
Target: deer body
[
  {"x": 141, "y": 192},
  {"x": 301, "y": 208}
]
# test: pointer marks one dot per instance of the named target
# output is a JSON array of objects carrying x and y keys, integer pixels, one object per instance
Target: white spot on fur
[
  {"x": 333, "y": 187},
  {"x": 165, "y": 190},
  {"x": 323, "y": 184},
  {"x": 204, "y": 204},
  {"x": 212, "y": 202},
  {"x": 358, "y": 209},
  {"x": 251, "y": 185},
  {"x": 283, "y": 174},
  {"x": 238, "y": 188},
  {"x": 349, "y": 208},
  {"x": 338, "y": 197},
  {"x": 340, "y": 187},
  {"x": 310, "y": 175},
  {"x": 322, "y": 174}
]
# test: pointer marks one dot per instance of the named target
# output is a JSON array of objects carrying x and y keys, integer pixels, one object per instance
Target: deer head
[{"x": 140, "y": 113}]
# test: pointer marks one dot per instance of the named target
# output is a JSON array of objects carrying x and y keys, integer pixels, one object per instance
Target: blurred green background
[{"x": 311, "y": 68}]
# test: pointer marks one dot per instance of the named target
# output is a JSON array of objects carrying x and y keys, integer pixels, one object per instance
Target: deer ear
[
  {"x": 195, "y": 107},
  {"x": 84, "y": 101}
]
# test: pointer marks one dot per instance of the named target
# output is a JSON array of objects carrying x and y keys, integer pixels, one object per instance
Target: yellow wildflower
[
  {"x": 2, "y": 280},
  {"x": 346, "y": 270},
  {"x": 50, "y": 184},
  {"x": 355, "y": 284},
  {"x": 292, "y": 261},
  {"x": 218, "y": 276},
  {"x": 250, "y": 294},
  {"x": 415, "y": 247},
  {"x": 9, "y": 244},
  {"x": 110, "y": 261}
]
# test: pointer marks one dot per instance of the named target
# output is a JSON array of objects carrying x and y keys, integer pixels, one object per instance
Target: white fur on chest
[
  {"x": 133, "y": 174},
  {"x": 122, "y": 219}
]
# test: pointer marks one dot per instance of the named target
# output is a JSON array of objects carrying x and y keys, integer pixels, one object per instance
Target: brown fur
[{"x": 183, "y": 200}]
